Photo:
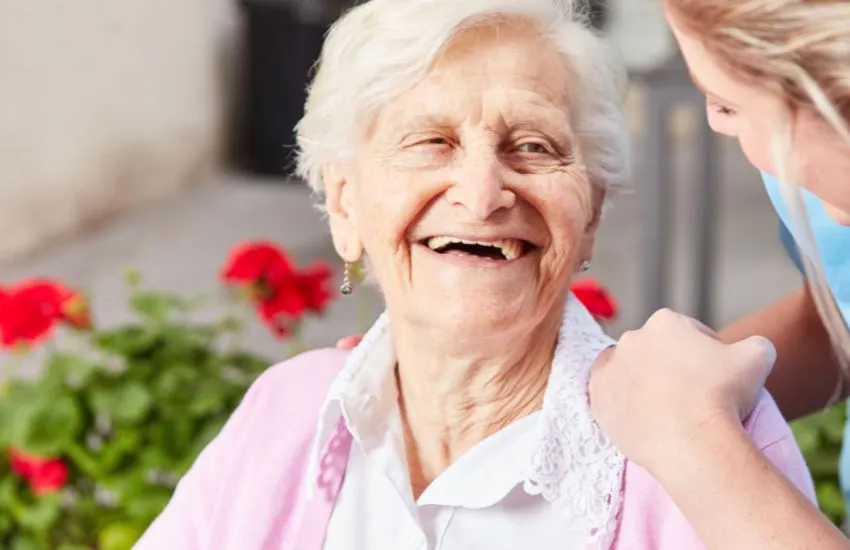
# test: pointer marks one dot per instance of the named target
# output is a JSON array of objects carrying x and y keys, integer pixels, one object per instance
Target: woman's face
[
  {"x": 468, "y": 193},
  {"x": 748, "y": 113}
]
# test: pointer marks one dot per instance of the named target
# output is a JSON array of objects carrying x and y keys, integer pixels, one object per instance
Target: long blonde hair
[{"x": 799, "y": 50}]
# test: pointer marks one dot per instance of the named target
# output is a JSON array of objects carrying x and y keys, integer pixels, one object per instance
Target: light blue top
[{"x": 833, "y": 242}]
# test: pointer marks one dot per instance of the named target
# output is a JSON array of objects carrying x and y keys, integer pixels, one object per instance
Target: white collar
[{"x": 574, "y": 465}]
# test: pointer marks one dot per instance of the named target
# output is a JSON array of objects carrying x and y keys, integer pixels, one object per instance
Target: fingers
[
  {"x": 349, "y": 342},
  {"x": 668, "y": 320},
  {"x": 758, "y": 352}
]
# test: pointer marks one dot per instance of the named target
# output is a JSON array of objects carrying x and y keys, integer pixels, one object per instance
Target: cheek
[
  {"x": 756, "y": 146},
  {"x": 565, "y": 202},
  {"x": 388, "y": 203}
]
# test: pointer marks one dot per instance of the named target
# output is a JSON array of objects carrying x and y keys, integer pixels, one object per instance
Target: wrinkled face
[
  {"x": 750, "y": 114},
  {"x": 468, "y": 195}
]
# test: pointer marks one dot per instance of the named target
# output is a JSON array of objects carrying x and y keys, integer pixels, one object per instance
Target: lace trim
[{"x": 574, "y": 466}]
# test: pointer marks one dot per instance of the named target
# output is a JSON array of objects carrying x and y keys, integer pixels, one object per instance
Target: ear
[
  {"x": 589, "y": 237},
  {"x": 340, "y": 205}
]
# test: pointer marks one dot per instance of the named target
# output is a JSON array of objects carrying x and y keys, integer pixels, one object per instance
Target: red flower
[
  {"x": 305, "y": 291},
  {"x": 31, "y": 309},
  {"x": 313, "y": 282},
  {"x": 256, "y": 263},
  {"x": 45, "y": 475},
  {"x": 596, "y": 299},
  {"x": 281, "y": 293}
]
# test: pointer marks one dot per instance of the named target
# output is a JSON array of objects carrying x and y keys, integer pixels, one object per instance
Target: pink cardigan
[{"x": 246, "y": 491}]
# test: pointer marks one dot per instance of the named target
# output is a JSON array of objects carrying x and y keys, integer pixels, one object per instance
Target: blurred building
[{"x": 105, "y": 106}]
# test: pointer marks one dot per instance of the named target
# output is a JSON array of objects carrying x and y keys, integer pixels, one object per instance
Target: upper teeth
[{"x": 511, "y": 248}]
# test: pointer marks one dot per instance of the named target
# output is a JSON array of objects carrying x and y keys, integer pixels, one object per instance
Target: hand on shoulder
[{"x": 672, "y": 379}]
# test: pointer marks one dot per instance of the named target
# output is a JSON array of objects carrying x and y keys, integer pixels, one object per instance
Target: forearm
[
  {"x": 806, "y": 374},
  {"x": 735, "y": 499}
]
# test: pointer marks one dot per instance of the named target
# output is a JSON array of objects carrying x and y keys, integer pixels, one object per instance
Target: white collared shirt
[{"x": 524, "y": 486}]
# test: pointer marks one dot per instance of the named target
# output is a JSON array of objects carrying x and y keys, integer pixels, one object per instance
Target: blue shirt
[
  {"x": 833, "y": 243},
  {"x": 831, "y": 238}
]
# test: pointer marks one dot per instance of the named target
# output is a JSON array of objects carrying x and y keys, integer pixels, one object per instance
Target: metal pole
[
  {"x": 705, "y": 239},
  {"x": 656, "y": 197}
]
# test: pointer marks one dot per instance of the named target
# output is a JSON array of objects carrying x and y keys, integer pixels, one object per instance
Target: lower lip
[{"x": 471, "y": 260}]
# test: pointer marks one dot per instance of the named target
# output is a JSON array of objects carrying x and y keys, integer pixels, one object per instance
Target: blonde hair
[
  {"x": 380, "y": 48},
  {"x": 799, "y": 50}
]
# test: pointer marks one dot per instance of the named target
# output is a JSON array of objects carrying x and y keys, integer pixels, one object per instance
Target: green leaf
[
  {"x": 831, "y": 501},
  {"x": 125, "y": 404},
  {"x": 52, "y": 426},
  {"x": 157, "y": 307},
  {"x": 118, "y": 536},
  {"x": 6, "y": 524},
  {"x": 41, "y": 515},
  {"x": 209, "y": 399},
  {"x": 147, "y": 506},
  {"x": 85, "y": 461},
  {"x": 125, "y": 442},
  {"x": 24, "y": 542},
  {"x": 71, "y": 368},
  {"x": 807, "y": 437},
  {"x": 130, "y": 341}
]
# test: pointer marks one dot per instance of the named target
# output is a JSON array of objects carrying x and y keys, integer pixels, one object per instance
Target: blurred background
[{"x": 156, "y": 134}]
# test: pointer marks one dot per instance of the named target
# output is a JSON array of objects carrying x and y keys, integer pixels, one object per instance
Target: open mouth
[{"x": 501, "y": 249}]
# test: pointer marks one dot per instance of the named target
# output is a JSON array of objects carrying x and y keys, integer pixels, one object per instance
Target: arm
[
  {"x": 643, "y": 395},
  {"x": 806, "y": 372},
  {"x": 760, "y": 507}
]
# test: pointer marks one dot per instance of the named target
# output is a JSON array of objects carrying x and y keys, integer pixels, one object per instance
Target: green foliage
[
  {"x": 127, "y": 413},
  {"x": 820, "y": 437}
]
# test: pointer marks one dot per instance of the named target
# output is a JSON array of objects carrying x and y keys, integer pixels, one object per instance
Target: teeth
[{"x": 511, "y": 248}]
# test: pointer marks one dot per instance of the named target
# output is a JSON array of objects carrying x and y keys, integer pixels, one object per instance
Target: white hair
[{"x": 381, "y": 48}]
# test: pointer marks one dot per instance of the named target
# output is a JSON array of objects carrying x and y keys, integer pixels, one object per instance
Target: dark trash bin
[{"x": 283, "y": 38}]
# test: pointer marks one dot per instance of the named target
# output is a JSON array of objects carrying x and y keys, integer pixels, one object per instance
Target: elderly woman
[{"x": 463, "y": 150}]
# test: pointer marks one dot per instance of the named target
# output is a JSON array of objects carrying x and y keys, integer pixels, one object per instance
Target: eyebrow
[{"x": 702, "y": 88}]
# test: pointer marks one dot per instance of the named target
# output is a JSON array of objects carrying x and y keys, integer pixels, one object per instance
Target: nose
[{"x": 479, "y": 187}]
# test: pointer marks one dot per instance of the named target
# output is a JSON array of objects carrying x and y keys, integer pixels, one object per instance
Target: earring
[
  {"x": 584, "y": 267},
  {"x": 346, "y": 287}
]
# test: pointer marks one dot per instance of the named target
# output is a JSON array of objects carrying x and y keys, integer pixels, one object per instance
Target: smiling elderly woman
[{"x": 463, "y": 149}]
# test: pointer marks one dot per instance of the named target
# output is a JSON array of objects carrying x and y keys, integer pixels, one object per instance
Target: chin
[
  {"x": 480, "y": 315},
  {"x": 839, "y": 216}
]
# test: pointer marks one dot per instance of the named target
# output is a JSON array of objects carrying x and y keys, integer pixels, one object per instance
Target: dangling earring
[
  {"x": 584, "y": 267},
  {"x": 346, "y": 287}
]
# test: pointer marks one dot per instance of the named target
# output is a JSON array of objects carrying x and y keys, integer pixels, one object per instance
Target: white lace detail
[{"x": 575, "y": 465}]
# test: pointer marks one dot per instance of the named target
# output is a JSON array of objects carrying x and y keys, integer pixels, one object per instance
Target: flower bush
[
  {"x": 820, "y": 437},
  {"x": 95, "y": 445}
]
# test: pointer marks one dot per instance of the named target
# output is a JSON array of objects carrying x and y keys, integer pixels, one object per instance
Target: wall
[{"x": 105, "y": 105}]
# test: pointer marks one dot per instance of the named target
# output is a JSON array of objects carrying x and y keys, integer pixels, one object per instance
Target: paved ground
[{"x": 179, "y": 245}]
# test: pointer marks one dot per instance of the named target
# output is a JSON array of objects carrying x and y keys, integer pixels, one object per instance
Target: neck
[{"x": 450, "y": 400}]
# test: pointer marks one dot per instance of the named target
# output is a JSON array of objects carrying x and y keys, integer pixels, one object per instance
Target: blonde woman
[{"x": 776, "y": 75}]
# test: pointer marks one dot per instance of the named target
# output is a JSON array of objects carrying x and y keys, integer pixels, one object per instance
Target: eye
[
  {"x": 433, "y": 141},
  {"x": 532, "y": 148},
  {"x": 721, "y": 109}
]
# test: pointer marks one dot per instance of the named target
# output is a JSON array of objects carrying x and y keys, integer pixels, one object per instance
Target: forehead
[
  {"x": 505, "y": 71},
  {"x": 712, "y": 77}
]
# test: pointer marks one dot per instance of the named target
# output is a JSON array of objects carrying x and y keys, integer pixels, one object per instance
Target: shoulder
[
  {"x": 765, "y": 425},
  {"x": 649, "y": 513},
  {"x": 289, "y": 393},
  {"x": 300, "y": 383},
  {"x": 310, "y": 369}
]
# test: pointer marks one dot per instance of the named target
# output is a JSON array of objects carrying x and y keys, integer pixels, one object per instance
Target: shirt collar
[{"x": 569, "y": 461}]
